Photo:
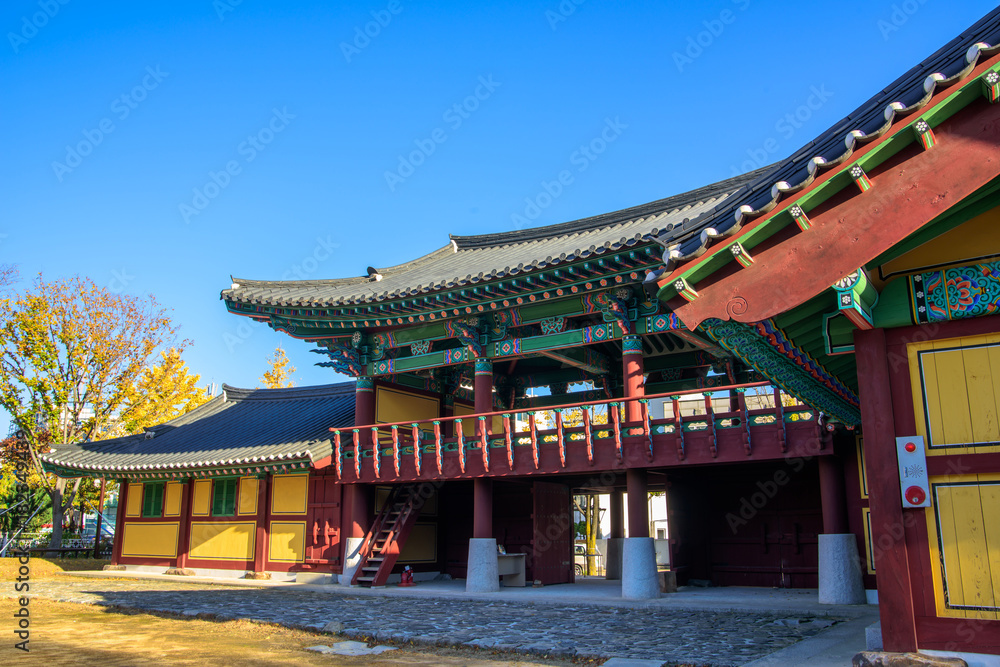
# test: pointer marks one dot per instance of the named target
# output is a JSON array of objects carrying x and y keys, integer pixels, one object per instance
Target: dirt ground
[{"x": 66, "y": 635}]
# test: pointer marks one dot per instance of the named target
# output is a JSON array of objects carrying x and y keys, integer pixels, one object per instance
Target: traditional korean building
[
  {"x": 836, "y": 314},
  {"x": 232, "y": 485}
]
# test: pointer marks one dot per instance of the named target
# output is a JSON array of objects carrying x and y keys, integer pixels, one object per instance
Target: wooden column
[
  {"x": 633, "y": 377},
  {"x": 263, "y": 519},
  {"x": 120, "y": 521},
  {"x": 364, "y": 407},
  {"x": 482, "y": 498},
  {"x": 617, "y": 510},
  {"x": 831, "y": 488},
  {"x": 356, "y": 509},
  {"x": 184, "y": 534},
  {"x": 484, "y": 385},
  {"x": 638, "y": 502},
  {"x": 895, "y": 594},
  {"x": 482, "y": 487}
]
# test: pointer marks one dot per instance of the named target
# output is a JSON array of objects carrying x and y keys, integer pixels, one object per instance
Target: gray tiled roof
[
  {"x": 686, "y": 223},
  {"x": 899, "y": 101},
  {"x": 241, "y": 426},
  {"x": 473, "y": 259}
]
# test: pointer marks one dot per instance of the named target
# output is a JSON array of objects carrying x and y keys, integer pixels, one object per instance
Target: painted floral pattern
[{"x": 967, "y": 291}]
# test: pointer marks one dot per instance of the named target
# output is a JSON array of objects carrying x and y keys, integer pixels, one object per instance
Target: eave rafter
[
  {"x": 489, "y": 295},
  {"x": 841, "y": 224}
]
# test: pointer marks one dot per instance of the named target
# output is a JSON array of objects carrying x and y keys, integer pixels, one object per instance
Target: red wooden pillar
[
  {"x": 364, "y": 407},
  {"x": 263, "y": 519},
  {"x": 638, "y": 502},
  {"x": 356, "y": 508},
  {"x": 895, "y": 594},
  {"x": 184, "y": 534},
  {"x": 617, "y": 510},
  {"x": 633, "y": 378},
  {"x": 482, "y": 488},
  {"x": 120, "y": 521},
  {"x": 831, "y": 488},
  {"x": 484, "y": 385},
  {"x": 482, "y": 498}
]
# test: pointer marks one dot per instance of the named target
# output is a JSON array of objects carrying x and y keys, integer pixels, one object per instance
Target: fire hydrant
[{"x": 406, "y": 579}]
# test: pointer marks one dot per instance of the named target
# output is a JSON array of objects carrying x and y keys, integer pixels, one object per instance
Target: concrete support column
[
  {"x": 633, "y": 377},
  {"x": 483, "y": 570},
  {"x": 356, "y": 512},
  {"x": 638, "y": 502},
  {"x": 613, "y": 564},
  {"x": 840, "y": 579},
  {"x": 364, "y": 407},
  {"x": 639, "y": 579}
]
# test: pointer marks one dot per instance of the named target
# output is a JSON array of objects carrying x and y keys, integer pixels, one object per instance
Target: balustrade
[{"x": 573, "y": 435}]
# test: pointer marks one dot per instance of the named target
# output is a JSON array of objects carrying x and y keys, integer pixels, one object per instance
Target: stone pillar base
[
  {"x": 352, "y": 559},
  {"x": 613, "y": 565},
  {"x": 840, "y": 570},
  {"x": 483, "y": 573},
  {"x": 639, "y": 579}
]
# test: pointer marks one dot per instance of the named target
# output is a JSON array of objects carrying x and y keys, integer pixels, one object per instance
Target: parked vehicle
[{"x": 580, "y": 559}]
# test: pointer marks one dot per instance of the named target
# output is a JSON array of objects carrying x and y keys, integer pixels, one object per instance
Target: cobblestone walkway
[{"x": 673, "y": 636}]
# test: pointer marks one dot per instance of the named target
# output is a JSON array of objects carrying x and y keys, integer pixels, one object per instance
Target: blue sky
[{"x": 162, "y": 147}]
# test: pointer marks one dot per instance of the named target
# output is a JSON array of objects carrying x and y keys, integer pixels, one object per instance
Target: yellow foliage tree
[
  {"x": 163, "y": 392},
  {"x": 71, "y": 355},
  {"x": 279, "y": 375}
]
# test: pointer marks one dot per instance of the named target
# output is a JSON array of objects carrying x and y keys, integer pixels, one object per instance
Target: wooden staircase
[{"x": 380, "y": 550}]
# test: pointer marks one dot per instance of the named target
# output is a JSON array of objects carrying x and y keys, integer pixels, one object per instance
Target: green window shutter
[
  {"x": 152, "y": 499},
  {"x": 231, "y": 497},
  {"x": 158, "y": 499},
  {"x": 224, "y": 497}
]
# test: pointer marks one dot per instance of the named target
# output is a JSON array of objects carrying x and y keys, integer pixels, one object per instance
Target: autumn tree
[
  {"x": 8, "y": 275},
  {"x": 279, "y": 374},
  {"x": 163, "y": 392},
  {"x": 71, "y": 356}
]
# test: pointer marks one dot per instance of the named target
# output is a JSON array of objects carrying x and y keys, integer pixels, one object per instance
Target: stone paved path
[{"x": 672, "y": 636}]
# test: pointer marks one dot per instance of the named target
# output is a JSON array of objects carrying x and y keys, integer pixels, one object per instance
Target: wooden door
[
  {"x": 323, "y": 521},
  {"x": 552, "y": 545}
]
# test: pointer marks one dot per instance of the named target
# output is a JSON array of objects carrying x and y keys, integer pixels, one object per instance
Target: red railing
[{"x": 445, "y": 435}]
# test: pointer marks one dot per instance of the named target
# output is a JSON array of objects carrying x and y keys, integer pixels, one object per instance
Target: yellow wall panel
[
  {"x": 218, "y": 540},
  {"x": 201, "y": 497},
  {"x": 248, "y": 496},
  {"x": 395, "y": 405},
  {"x": 866, "y": 514},
  {"x": 469, "y": 425},
  {"x": 289, "y": 494},
  {"x": 153, "y": 540},
  {"x": 287, "y": 542},
  {"x": 977, "y": 586},
  {"x": 172, "y": 501},
  {"x": 134, "y": 505},
  {"x": 973, "y": 240},
  {"x": 956, "y": 393},
  {"x": 981, "y": 386},
  {"x": 963, "y": 528},
  {"x": 421, "y": 545}
]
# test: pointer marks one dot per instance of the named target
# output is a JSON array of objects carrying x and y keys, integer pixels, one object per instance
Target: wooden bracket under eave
[
  {"x": 991, "y": 86},
  {"x": 924, "y": 133}
]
